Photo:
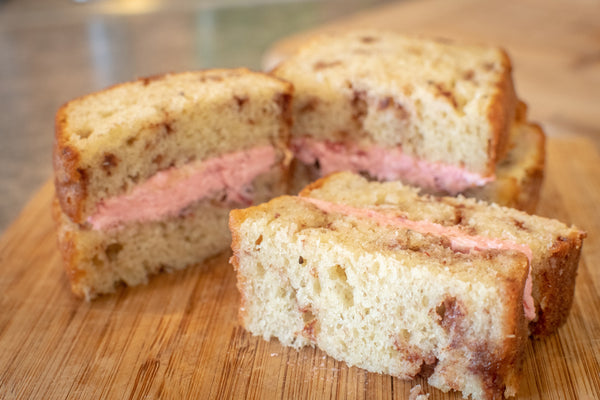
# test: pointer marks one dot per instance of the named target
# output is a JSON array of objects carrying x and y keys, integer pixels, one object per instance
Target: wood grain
[{"x": 178, "y": 336}]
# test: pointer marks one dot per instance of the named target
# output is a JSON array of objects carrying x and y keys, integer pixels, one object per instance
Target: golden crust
[
  {"x": 520, "y": 176},
  {"x": 529, "y": 189},
  {"x": 557, "y": 278},
  {"x": 70, "y": 181},
  {"x": 68, "y": 249}
]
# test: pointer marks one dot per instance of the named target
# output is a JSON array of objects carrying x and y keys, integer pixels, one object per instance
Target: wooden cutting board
[{"x": 178, "y": 336}]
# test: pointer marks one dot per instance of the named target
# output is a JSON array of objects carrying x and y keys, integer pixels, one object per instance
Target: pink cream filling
[
  {"x": 459, "y": 240},
  {"x": 386, "y": 165},
  {"x": 168, "y": 192}
]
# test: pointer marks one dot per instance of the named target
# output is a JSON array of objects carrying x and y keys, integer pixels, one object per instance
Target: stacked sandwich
[
  {"x": 365, "y": 288},
  {"x": 147, "y": 171},
  {"x": 405, "y": 284}
]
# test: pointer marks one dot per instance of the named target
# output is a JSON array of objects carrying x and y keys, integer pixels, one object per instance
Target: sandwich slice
[
  {"x": 429, "y": 113},
  {"x": 436, "y": 115},
  {"x": 553, "y": 248},
  {"x": 394, "y": 282},
  {"x": 376, "y": 291},
  {"x": 147, "y": 171}
]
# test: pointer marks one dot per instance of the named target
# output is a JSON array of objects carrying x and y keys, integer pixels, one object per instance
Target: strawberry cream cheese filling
[
  {"x": 168, "y": 192},
  {"x": 460, "y": 241},
  {"x": 385, "y": 164}
]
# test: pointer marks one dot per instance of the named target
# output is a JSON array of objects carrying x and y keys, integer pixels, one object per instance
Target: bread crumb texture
[{"x": 387, "y": 300}]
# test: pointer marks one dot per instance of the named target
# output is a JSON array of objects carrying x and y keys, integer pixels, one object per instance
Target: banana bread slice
[{"x": 375, "y": 293}]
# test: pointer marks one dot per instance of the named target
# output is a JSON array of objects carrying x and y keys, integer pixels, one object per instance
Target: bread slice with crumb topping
[
  {"x": 146, "y": 171},
  {"x": 431, "y": 112},
  {"x": 555, "y": 247},
  {"x": 381, "y": 296}
]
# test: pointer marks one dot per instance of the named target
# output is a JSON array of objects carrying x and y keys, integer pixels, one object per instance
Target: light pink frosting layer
[
  {"x": 386, "y": 164},
  {"x": 459, "y": 240},
  {"x": 170, "y": 191}
]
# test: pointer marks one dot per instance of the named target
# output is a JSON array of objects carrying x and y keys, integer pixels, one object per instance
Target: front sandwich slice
[{"x": 382, "y": 294}]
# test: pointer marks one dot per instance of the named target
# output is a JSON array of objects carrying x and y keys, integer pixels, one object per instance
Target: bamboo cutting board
[{"x": 178, "y": 336}]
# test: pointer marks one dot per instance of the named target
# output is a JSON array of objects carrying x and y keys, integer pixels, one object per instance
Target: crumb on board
[{"x": 417, "y": 393}]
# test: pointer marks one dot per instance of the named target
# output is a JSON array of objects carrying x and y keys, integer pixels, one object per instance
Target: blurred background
[{"x": 54, "y": 50}]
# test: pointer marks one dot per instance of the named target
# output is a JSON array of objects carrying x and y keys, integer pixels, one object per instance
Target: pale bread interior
[{"x": 385, "y": 299}]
